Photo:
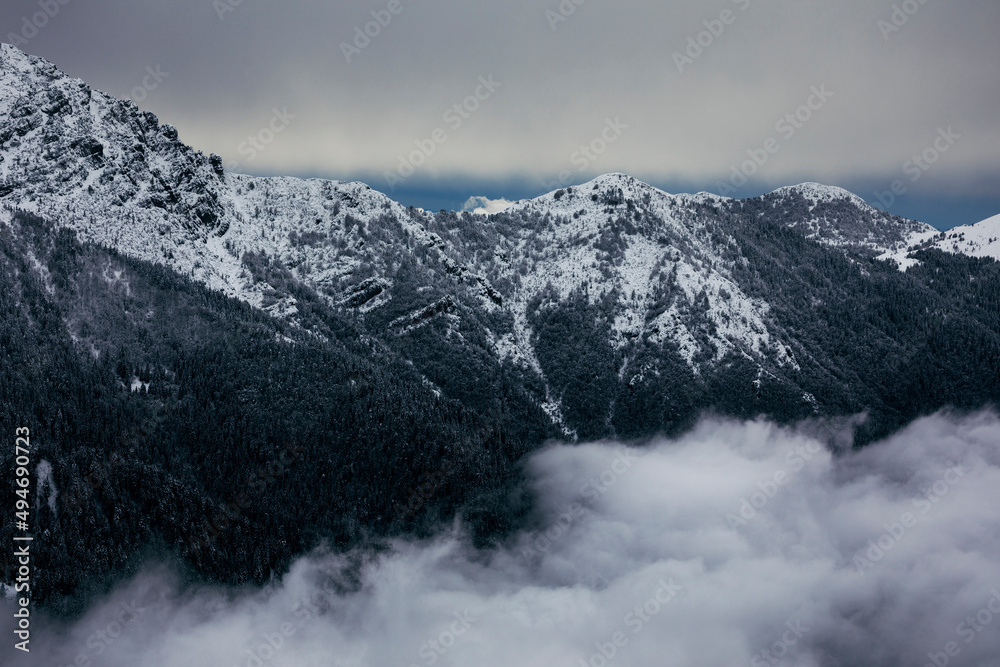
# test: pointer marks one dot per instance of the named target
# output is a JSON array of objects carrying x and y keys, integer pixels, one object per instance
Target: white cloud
[
  {"x": 485, "y": 206},
  {"x": 712, "y": 549}
]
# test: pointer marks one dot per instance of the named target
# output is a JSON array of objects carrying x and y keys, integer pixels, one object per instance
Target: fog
[{"x": 736, "y": 544}]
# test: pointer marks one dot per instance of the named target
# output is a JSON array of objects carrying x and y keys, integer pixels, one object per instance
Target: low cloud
[
  {"x": 486, "y": 206},
  {"x": 736, "y": 544}
]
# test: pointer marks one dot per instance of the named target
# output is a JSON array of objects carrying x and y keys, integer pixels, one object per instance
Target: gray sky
[{"x": 560, "y": 82}]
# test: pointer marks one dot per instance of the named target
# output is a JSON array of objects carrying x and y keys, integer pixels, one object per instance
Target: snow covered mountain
[
  {"x": 118, "y": 177},
  {"x": 979, "y": 240},
  {"x": 842, "y": 219},
  {"x": 666, "y": 276},
  {"x": 339, "y": 350}
]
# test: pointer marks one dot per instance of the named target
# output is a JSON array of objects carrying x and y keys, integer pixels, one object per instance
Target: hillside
[{"x": 171, "y": 327}]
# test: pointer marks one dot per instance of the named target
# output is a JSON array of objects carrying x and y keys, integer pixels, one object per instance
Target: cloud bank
[{"x": 737, "y": 544}]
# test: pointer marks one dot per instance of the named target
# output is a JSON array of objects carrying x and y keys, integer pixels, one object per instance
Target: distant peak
[
  {"x": 613, "y": 176},
  {"x": 820, "y": 192},
  {"x": 620, "y": 180}
]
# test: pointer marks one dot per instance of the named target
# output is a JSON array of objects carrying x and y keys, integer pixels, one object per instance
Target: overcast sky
[{"x": 603, "y": 74}]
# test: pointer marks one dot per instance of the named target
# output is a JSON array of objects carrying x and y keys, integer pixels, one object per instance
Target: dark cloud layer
[{"x": 698, "y": 84}]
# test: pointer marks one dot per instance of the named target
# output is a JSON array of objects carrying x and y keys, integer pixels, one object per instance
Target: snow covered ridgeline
[
  {"x": 616, "y": 236},
  {"x": 667, "y": 274},
  {"x": 979, "y": 240},
  {"x": 134, "y": 186},
  {"x": 118, "y": 178}
]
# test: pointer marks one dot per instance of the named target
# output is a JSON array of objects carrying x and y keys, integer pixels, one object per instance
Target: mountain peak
[
  {"x": 819, "y": 192},
  {"x": 10, "y": 53},
  {"x": 616, "y": 177},
  {"x": 13, "y": 59},
  {"x": 23, "y": 75},
  {"x": 630, "y": 186},
  {"x": 619, "y": 179}
]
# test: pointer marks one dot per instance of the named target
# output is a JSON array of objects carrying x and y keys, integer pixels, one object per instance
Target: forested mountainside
[
  {"x": 236, "y": 369},
  {"x": 176, "y": 417}
]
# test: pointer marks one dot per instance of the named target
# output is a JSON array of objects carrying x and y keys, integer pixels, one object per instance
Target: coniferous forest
[
  {"x": 190, "y": 424},
  {"x": 184, "y": 424}
]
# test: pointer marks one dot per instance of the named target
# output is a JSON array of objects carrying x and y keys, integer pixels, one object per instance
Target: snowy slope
[
  {"x": 115, "y": 175},
  {"x": 667, "y": 264},
  {"x": 979, "y": 240},
  {"x": 657, "y": 237},
  {"x": 118, "y": 177},
  {"x": 839, "y": 218}
]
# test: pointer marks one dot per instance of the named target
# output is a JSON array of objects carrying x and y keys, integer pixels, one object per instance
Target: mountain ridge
[
  {"x": 667, "y": 270},
  {"x": 385, "y": 370}
]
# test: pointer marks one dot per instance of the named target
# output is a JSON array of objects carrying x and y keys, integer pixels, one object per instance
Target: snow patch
[{"x": 979, "y": 240}]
